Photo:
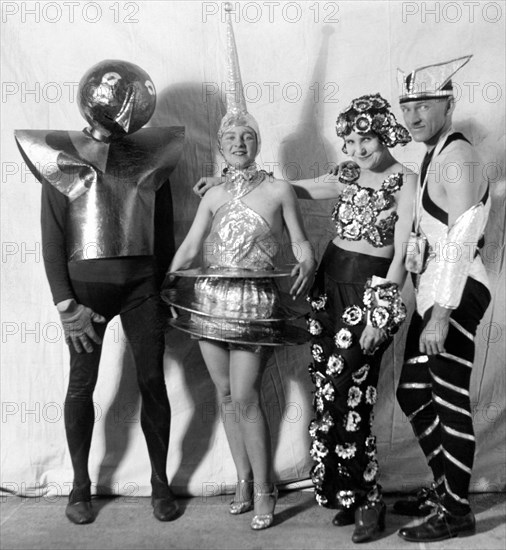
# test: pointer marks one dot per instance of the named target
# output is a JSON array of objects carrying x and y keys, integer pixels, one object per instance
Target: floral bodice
[{"x": 357, "y": 209}]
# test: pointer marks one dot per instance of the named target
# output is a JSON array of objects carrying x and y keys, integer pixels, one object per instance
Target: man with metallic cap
[
  {"x": 452, "y": 296},
  {"x": 107, "y": 236}
]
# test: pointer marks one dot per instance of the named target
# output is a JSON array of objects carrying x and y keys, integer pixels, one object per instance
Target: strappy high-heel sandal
[
  {"x": 241, "y": 506},
  {"x": 263, "y": 521}
]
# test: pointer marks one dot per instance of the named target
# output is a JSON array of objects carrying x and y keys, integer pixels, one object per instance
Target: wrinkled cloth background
[{"x": 301, "y": 62}]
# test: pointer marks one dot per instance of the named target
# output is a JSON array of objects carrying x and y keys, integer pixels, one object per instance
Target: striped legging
[{"x": 433, "y": 392}]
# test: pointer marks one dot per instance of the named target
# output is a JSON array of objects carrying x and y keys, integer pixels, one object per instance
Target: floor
[{"x": 124, "y": 523}]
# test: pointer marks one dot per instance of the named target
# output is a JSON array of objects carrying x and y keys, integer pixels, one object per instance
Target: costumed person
[
  {"x": 107, "y": 237},
  {"x": 452, "y": 296},
  {"x": 238, "y": 229},
  {"x": 356, "y": 307}
]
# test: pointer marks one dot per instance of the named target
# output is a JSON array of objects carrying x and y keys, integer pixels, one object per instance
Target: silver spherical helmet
[{"x": 116, "y": 98}]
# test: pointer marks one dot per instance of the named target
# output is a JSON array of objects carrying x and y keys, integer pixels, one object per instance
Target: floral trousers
[{"x": 343, "y": 447}]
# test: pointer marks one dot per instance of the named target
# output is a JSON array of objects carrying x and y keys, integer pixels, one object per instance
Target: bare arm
[
  {"x": 372, "y": 337},
  {"x": 326, "y": 186},
  {"x": 192, "y": 244},
  {"x": 300, "y": 244},
  {"x": 463, "y": 184},
  {"x": 396, "y": 271}
]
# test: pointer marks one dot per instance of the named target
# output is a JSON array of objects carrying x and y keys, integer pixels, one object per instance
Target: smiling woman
[
  {"x": 356, "y": 309},
  {"x": 239, "y": 146}
]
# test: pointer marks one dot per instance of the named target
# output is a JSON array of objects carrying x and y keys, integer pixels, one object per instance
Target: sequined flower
[
  {"x": 344, "y": 213},
  {"x": 343, "y": 127},
  {"x": 378, "y": 123},
  {"x": 352, "y": 315},
  {"x": 346, "y": 498},
  {"x": 321, "y": 499},
  {"x": 349, "y": 171},
  {"x": 370, "y": 445},
  {"x": 360, "y": 375},
  {"x": 378, "y": 102},
  {"x": 318, "y": 450},
  {"x": 314, "y": 426},
  {"x": 328, "y": 391},
  {"x": 343, "y": 338},
  {"x": 352, "y": 421},
  {"x": 371, "y": 395},
  {"x": 314, "y": 327},
  {"x": 352, "y": 231},
  {"x": 349, "y": 192},
  {"x": 335, "y": 365},
  {"x": 320, "y": 380},
  {"x": 366, "y": 216},
  {"x": 326, "y": 422},
  {"x": 317, "y": 352},
  {"x": 354, "y": 396},
  {"x": 361, "y": 104},
  {"x": 318, "y": 403},
  {"x": 380, "y": 316},
  {"x": 318, "y": 473},
  {"x": 374, "y": 236},
  {"x": 371, "y": 470},
  {"x": 361, "y": 197},
  {"x": 379, "y": 200},
  {"x": 347, "y": 450},
  {"x": 317, "y": 304},
  {"x": 363, "y": 124},
  {"x": 392, "y": 183}
]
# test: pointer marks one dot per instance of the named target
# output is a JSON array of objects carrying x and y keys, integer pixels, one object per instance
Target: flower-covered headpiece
[
  {"x": 237, "y": 113},
  {"x": 372, "y": 114},
  {"x": 430, "y": 82}
]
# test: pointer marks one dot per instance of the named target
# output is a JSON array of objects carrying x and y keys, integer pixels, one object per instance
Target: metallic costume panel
[{"x": 111, "y": 196}]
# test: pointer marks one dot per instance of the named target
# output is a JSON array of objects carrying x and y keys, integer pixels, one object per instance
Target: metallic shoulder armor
[{"x": 111, "y": 187}]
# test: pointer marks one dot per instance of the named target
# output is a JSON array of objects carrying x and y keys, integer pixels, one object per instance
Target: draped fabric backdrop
[{"x": 301, "y": 62}]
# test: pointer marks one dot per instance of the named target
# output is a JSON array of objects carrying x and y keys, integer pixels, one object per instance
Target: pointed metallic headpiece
[
  {"x": 430, "y": 82},
  {"x": 237, "y": 112}
]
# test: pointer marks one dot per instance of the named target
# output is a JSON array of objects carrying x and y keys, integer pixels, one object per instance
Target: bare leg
[
  {"x": 217, "y": 359},
  {"x": 246, "y": 369}
]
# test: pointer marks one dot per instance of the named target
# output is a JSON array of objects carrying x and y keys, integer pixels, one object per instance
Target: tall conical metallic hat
[
  {"x": 237, "y": 112},
  {"x": 429, "y": 82}
]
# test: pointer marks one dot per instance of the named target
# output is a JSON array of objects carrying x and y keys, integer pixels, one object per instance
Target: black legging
[
  {"x": 343, "y": 447},
  {"x": 141, "y": 318},
  {"x": 433, "y": 392}
]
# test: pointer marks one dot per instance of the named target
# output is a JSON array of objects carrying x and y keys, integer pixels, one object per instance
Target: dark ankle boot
[
  {"x": 369, "y": 520},
  {"x": 79, "y": 510},
  {"x": 165, "y": 508},
  {"x": 344, "y": 516}
]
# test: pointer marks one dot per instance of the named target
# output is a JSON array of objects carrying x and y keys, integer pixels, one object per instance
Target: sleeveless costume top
[
  {"x": 240, "y": 237},
  {"x": 357, "y": 209},
  {"x": 447, "y": 252}
]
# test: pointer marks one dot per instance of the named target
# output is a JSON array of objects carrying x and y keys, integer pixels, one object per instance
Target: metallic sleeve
[{"x": 458, "y": 253}]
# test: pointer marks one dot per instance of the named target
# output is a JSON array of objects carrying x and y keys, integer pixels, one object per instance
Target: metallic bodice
[
  {"x": 358, "y": 208},
  {"x": 239, "y": 236},
  {"x": 111, "y": 188}
]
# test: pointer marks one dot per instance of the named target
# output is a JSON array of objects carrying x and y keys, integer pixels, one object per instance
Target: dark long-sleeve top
[{"x": 60, "y": 272}]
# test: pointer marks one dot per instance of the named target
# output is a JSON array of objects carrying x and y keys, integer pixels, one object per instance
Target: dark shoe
[
  {"x": 165, "y": 509},
  {"x": 344, "y": 516},
  {"x": 80, "y": 512},
  {"x": 369, "y": 520},
  {"x": 440, "y": 526},
  {"x": 422, "y": 504}
]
